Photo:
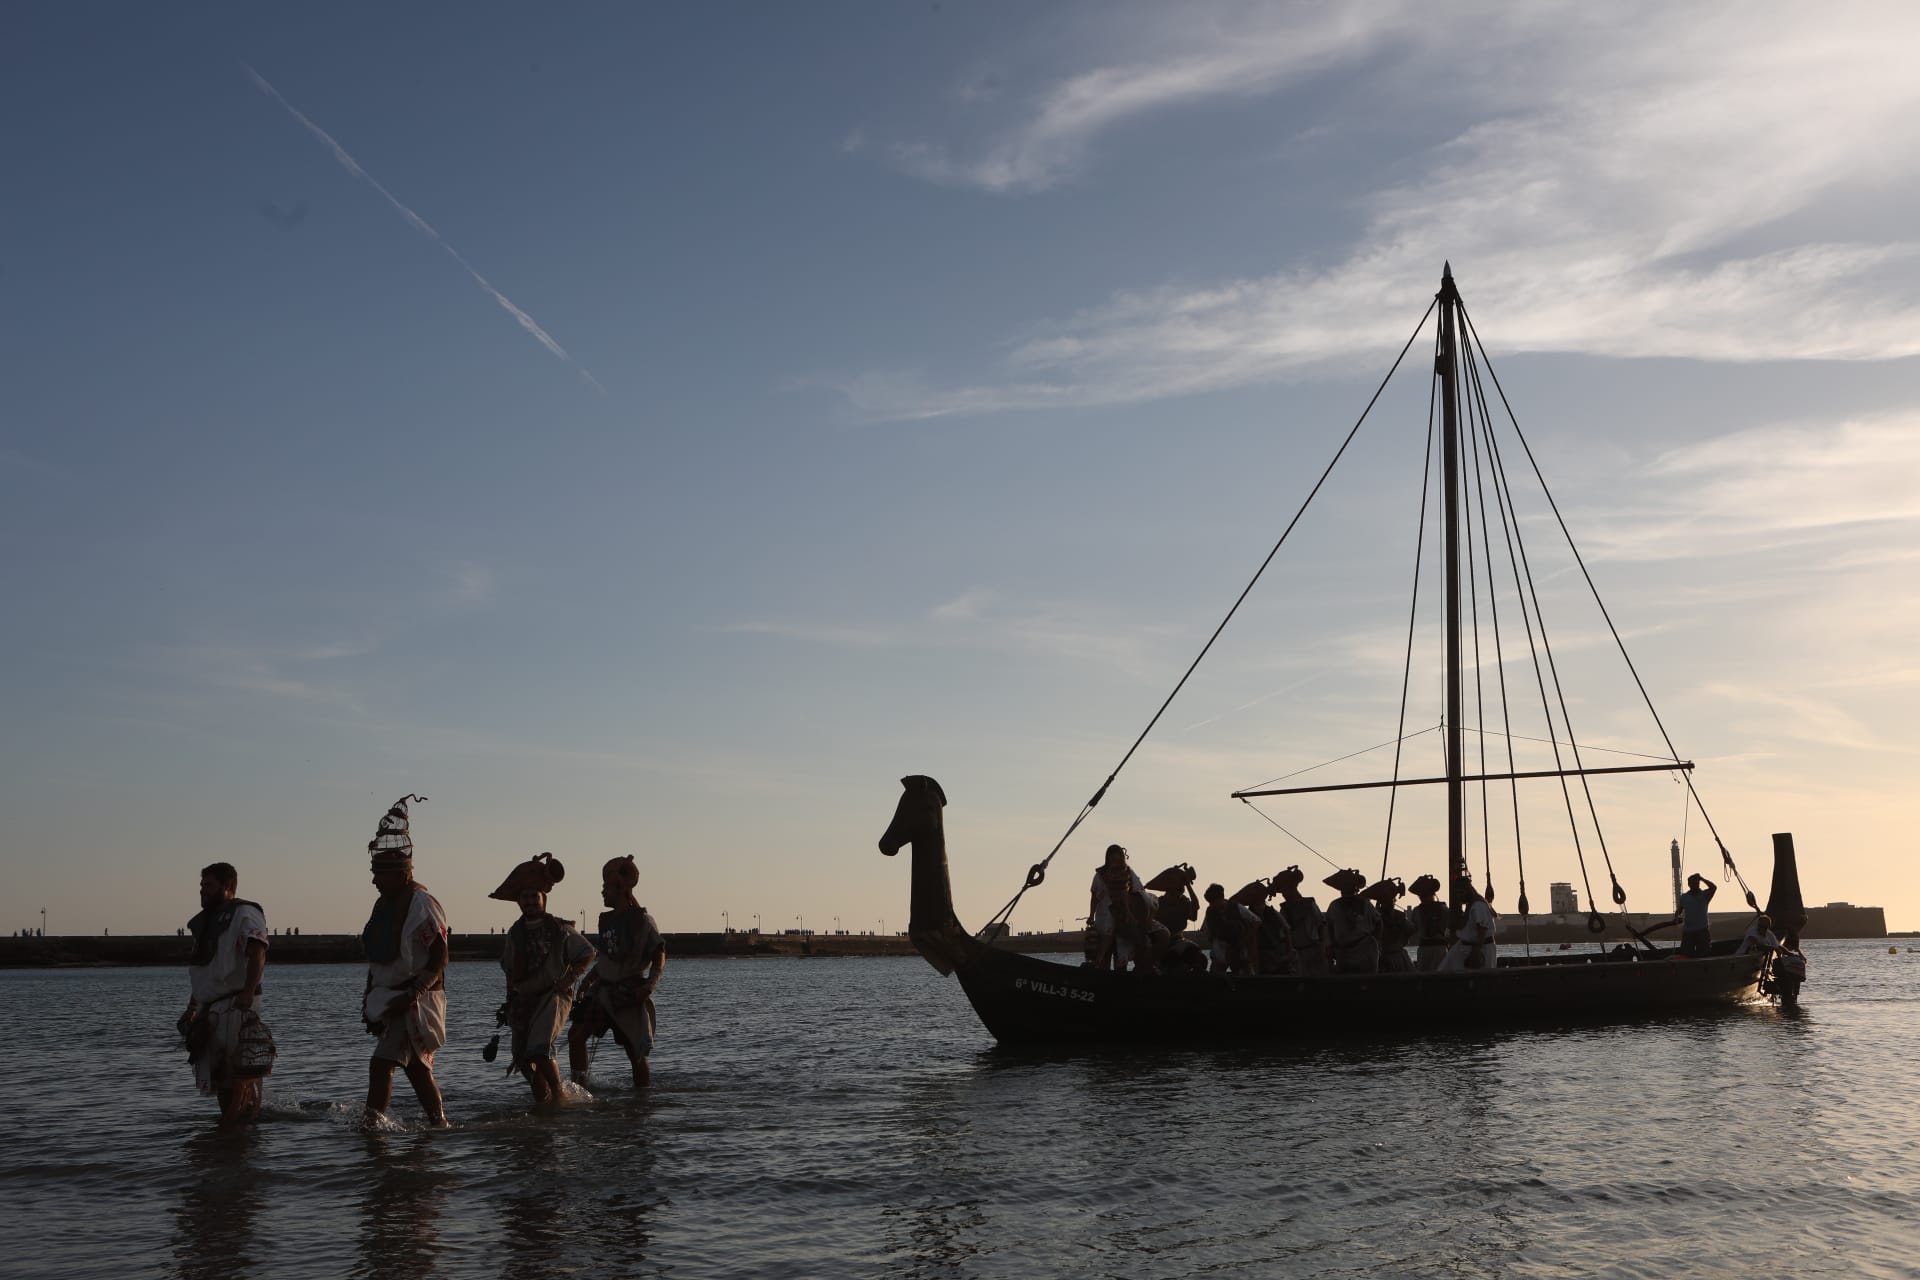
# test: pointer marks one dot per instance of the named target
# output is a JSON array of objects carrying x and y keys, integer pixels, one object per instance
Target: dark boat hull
[{"x": 1023, "y": 1000}]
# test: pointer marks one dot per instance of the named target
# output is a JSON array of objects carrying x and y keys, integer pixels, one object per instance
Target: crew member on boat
[
  {"x": 1696, "y": 932},
  {"x": 1474, "y": 947},
  {"x": 1395, "y": 929},
  {"x": 1230, "y": 933},
  {"x": 544, "y": 958},
  {"x": 1177, "y": 908},
  {"x": 618, "y": 995},
  {"x": 1759, "y": 937},
  {"x": 1118, "y": 912},
  {"x": 1353, "y": 924},
  {"x": 1276, "y": 940},
  {"x": 226, "y": 1041},
  {"x": 1432, "y": 930},
  {"x": 406, "y": 998},
  {"x": 1306, "y": 925}
]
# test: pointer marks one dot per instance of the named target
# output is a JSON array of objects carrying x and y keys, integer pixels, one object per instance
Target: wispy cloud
[
  {"x": 1622, "y": 187},
  {"x": 425, "y": 228},
  {"x": 469, "y": 585}
]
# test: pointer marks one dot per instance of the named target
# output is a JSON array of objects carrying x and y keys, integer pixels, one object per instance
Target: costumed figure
[
  {"x": 1176, "y": 907},
  {"x": 229, "y": 1046},
  {"x": 1229, "y": 930},
  {"x": 544, "y": 958},
  {"x": 1118, "y": 913},
  {"x": 1353, "y": 925},
  {"x": 1474, "y": 947},
  {"x": 1396, "y": 930},
  {"x": 1432, "y": 929},
  {"x": 1276, "y": 940},
  {"x": 618, "y": 994},
  {"x": 1305, "y": 924},
  {"x": 405, "y": 1006}
]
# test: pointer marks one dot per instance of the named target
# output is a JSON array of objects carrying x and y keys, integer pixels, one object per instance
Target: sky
[{"x": 657, "y": 430}]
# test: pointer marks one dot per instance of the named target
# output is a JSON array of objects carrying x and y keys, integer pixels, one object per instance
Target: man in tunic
[
  {"x": 1118, "y": 912},
  {"x": 618, "y": 995},
  {"x": 1353, "y": 924},
  {"x": 1276, "y": 940},
  {"x": 1474, "y": 947},
  {"x": 225, "y": 1038},
  {"x": 544, "y": 958},
  {"x": 405, "y": 1007},
  {"x": 1306, "y": 925},
  {"x": 1395, "y": 928},
  {"x": 1432, "y": 930},
  {"x": 1696, "y": 933},
  {"x": 1232, "y": 933}
]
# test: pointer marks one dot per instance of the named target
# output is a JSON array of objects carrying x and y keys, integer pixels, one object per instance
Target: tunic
[
  {"x": 399, "y": 937},
  {"x": 1430, "y": 929},
  {"x": 1354, "y": 924},
  {"x": 536, "y": 959},
  {"x": 617, "y": 999},
  {"x": 1395, "y": 929},
  {"x": 1276, "y": 943},
  {"x": 1478, "y": 927},
  {"x": 1308, "y": 926},
  {"x": 218, "y": 973}
]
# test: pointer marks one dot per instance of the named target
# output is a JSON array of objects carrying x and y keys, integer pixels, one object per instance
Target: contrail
[{"x": 421, "y": 225}]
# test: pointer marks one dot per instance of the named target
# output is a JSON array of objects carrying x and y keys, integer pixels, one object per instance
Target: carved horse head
[{"x": 916, "y": 816}]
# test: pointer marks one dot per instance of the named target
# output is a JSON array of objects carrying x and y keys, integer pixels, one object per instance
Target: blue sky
[{"x": 894, "y": 389}]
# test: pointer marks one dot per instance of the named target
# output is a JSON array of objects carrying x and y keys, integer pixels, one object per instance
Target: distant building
[{"x": 1565, "y": 901}]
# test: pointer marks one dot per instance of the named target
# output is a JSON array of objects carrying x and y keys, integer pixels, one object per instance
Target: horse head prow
[{"x": 917, "y": 822}]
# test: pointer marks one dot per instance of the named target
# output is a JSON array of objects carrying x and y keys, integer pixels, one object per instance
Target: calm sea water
[{"x": 850, "y": 1117}]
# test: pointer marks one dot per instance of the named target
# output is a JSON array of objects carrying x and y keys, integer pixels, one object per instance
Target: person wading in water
[
  {"x": 405, "y": 1006},
  {"x": 544, "y": 957},
  {"x": 222, "y": 1025},
  {"x": 618, "y": 995}
]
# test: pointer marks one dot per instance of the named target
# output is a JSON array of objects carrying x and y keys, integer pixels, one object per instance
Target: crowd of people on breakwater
[
  {"x": 556, "y": 980},
  {"x": 1363, "y": 930}
]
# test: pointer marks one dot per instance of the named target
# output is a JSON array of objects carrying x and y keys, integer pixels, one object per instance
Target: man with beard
[
  {"x": 544, "y": 957},
  {"x": 226, "y": 1041},
  {"x": 406, "y": 998},
  {"x": 618, "y": 995}
]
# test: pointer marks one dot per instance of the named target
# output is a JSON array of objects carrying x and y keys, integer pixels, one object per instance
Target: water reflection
[
  {"x": 401, "y": 1208},
  {"x": 213, "y": 1236}
]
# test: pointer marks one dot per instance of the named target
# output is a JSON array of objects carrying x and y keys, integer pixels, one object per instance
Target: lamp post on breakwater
[
  {"x": 801, "y": 921},
  {"x": 726, "y": 923},
  {"x": 756, "y": 922}
]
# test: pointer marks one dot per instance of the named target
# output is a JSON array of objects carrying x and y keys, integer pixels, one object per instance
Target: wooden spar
[
  {"x": 1445, "y": 367},
  {"x": 1470, "y": 777}
]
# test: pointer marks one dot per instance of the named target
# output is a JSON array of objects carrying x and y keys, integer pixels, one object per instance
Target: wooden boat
[{"x": 1022, "y": 999}]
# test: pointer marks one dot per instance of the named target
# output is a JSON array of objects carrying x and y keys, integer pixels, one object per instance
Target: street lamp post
[
  {"x": 836, "y": 924},
  {"x": 43, "y": 922},
  {"x": 756, "y": 922},
  {"x": 726, "y": 923}
]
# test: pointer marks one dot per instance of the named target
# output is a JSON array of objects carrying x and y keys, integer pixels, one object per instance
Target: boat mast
[{"x": 1447, "y": 369}]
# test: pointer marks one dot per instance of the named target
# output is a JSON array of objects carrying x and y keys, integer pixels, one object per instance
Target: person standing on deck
[
  {"x": 1696, "y": 932},
  {"x": 1395, "y": 928},
  {"x": 1474, "y": 948},
  {"x": 1232, "y": 944},
  {"x": 1353, "y": 925},
  {"x": 618, "y": 995},
  {"x": 1432, "y": 931},
  {"x": 544, "y": 958},
  {"x": 405, "y": 1005},
  {"x": 1118, "y": 912},
  {"x": 229, "y": 959},
  {"x": 1305, "y": 925}
]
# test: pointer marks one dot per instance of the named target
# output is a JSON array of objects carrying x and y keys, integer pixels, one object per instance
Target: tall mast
[{"x": 1447, "y": 368}]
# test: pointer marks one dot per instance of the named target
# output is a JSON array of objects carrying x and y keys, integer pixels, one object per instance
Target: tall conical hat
[{"x": 392, "y": 844}]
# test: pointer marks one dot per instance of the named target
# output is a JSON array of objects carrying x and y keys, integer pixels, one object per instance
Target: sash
[{"x": 211, "y": 925}]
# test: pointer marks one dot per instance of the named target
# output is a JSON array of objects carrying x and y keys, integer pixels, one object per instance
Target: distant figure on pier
[
  {"x": 1118, "y": 912},
  {"x": 405, "y": 1006},
  {"x": 1432, "y": 930},
  {"x": 618, "y": 995},
  {"x": 1696, "y": 937},
  {"x": 1306, "y": 925},
  {"x": 544, "y": 959},
  {"x": 227, "y": 1043},
  {"x": 1474, "y": 947},
  {"x": 1395, "y": 929},
  {"x": 1353, "y": 924}
]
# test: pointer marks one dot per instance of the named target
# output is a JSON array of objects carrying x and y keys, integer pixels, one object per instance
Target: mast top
[{"x": 1447, "y": 289}]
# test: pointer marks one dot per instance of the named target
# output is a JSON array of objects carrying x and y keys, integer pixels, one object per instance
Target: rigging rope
[
  {"x": 1726, "y": 855},
  {"x": 1289, "y": 835},
  {"x": 1037, "y": 873},
  {"x": 1350, "y": 755},
  {"x": 1413, "y": 609},
  {"x": 1479, "y": 697}
]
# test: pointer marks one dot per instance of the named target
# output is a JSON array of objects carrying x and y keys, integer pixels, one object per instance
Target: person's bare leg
[
  {"x": 544, "y": 1073},
  {"x": 642, "y": 1073},
  {"x": 379, "y": 1086},
  {"x": 577, "y": 1052},
  {"x": 240, "y": 1105},
  {"x": 425, "y": 1088}
]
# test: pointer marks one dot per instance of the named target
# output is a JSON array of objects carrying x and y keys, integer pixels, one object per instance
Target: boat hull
[{"x": 1023, "y": 1000}]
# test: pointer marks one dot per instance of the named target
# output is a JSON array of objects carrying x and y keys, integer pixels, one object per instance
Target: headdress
[
  {"x": 540, "y": 872},
  {"x": 1425, "y": 885},
  {"x": 392, "y": 844},
  {"x": 1252, "y": 895},
  {"x": 1291, "y": 878},
  {"x": 1346, "y": 881},
  {"x": 1383, "y": 891},
  {"x": 622, "y": 872}
]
